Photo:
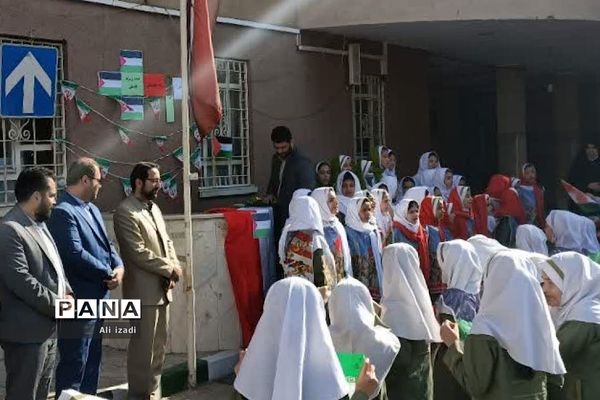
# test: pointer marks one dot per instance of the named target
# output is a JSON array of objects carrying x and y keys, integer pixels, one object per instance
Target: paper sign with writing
[
  {"x": 155, "y": 85},
  {"x": 132, "y": 84}
]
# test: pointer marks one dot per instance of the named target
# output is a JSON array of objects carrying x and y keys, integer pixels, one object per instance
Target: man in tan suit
[{"x": 151, "y": 270}]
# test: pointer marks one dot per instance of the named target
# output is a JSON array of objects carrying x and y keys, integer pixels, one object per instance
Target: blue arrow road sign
[{"x": 27, "y": 81}]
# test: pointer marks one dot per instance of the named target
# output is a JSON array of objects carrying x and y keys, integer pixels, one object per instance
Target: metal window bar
[
  {"x": 367, "y": 115},
  {"x": 29, "y": 141},
  {"x": 233, "y": 89}
]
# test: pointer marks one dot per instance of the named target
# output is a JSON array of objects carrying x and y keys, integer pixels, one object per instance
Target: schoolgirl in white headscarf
[
  {"x": 334, "y": 231},
  {"x": 383, "y": 214},
  {"x": 512, "y": 345},
  {"x": 531, "y": 238},
  {"x": 572, "y": 288},
  {"x": 408, "y": 312},
  {"x": 345, "y": 181},
  {"x": 291, "y": 355},
  {"x": 364, "y": 240},
  {"x": 303, "y": 249},
  {"x": 354, "y": 330},
  {"x": 573, "y": 232}
]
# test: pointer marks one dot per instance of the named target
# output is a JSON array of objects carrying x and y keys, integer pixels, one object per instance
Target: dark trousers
[
  {"x": 80, "y": 349},
  {"x": 29, "y": 368}
]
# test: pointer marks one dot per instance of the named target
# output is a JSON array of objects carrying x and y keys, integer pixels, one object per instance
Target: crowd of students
[{"x": 448, "y": 295}]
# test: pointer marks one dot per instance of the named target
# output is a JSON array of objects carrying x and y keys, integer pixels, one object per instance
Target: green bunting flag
[
  {"x": 68, "y": 89},
  {"x": 104, "y": 166},
  {"x": 178, "y": 154},
  {"x": 196, "y": 158},
  {"x": 124, "y": 137},
  {"x": 160, "y": 142},
  {"x": 169, "y": 184},
  {"x": 126, "y": 186},
  {"x": 84, "y": 110}
]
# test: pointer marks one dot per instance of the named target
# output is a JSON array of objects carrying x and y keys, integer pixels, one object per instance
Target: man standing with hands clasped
[
  {"x": 92, "y": 266},
  {"x": 31, "y": 280},
  {"x": 152, "y": 269}
]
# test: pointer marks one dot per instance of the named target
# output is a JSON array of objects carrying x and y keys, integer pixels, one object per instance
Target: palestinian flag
[
  {"x": 262, "y": 223},
  {"x": 586, "y": 204},
  {"x": 132, "y": 61},
  {"x": 133, "y": 110},
  {"x": 84, "y": 110},
  {"x": 222, "y": 147},
  {"x": 109, "y": 83}
]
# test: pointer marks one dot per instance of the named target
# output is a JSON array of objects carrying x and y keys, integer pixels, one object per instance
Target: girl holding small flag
[{"x": 355, "y": 328}]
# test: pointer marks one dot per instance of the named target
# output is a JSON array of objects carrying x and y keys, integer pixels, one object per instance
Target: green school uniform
[
  {"x": 580, "y": 351},
  {"x": 411, "y": 375},
  {"x": 487, "y": 372}
]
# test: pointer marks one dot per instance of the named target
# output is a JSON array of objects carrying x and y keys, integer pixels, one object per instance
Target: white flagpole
[{"x": 187, "y": 200}]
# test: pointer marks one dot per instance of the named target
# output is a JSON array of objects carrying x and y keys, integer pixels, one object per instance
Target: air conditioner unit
[{"x": 354, "y": 64}]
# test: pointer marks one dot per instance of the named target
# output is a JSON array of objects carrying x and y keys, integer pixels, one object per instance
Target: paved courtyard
[{"x": 113, "y": 375}]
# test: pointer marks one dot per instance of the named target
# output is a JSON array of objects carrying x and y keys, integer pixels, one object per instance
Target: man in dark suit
[
  {"x": 31, "y": 280},
  {"x": 92, "y": 266},
  {"x": 290, "y": 171}
]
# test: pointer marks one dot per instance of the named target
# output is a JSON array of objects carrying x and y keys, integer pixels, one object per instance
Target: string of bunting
[
  {"x": 69, "y": 91},
  {"x": 169, "y": 181}
]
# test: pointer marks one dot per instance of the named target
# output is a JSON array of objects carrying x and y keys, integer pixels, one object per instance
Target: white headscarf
[
  {"x": 365, "y": 167},
  {"x": 439, "y": 178},
  {"x": 417, "y": 193},
  {"x": 341, "y": 198},
  {"x": 401, "y": 215},
  {"x": 486, "y": 249},
  {"x": 343, "y": 159},
  {"x": 305, "y": 216},
  {"x": 578, "y": 278},
  {"x": 291, "y": 355},
  {"x": 456, "y": 180},
  {"x": 460, "y": 265},
  {"x": 380, "y": 150},
  {"x": 353, "y": 327},
  {"x": 392, "y": 184},
  {"x": 384, "y": 221},
  {"x": 407, "y": 308},
  {"x": 531, "y": 238},
  {"x": 300, "y": 192},
  {"x": 425, "y": 176},
  {"x": 321, "y": 196},
  {"x": 354, "y": 222},
  {"x": 573, "y": 232},
  {"x": 514, "y": 311}
]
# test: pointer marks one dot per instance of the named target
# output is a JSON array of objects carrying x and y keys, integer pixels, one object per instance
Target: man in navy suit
[{"x": 92, "y": 266}]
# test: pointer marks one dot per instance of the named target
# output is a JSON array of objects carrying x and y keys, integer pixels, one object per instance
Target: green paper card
[
  {"x": 132, "y": 84},
  {"x": 170, "y": 108},
  {"x": 464, "y": 328},
  {"x": 352, "y": 364}
]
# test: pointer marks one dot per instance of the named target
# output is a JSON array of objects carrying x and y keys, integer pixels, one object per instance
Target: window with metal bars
[
  {"x": 368, "y": 117},
  {"x": 224, "y": 175},
  {"x": 27, "y": 142}
]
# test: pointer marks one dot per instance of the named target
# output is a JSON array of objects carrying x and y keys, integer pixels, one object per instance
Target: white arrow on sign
[{"x": 29, "y": 69}]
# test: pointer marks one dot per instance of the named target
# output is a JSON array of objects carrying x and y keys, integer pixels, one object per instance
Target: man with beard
[
  {"x": 151, "y": 271},
  {"x": 290, "y": 171},
  {"x": 92, "y": 266},
  {"x": 31, "y": 280}
]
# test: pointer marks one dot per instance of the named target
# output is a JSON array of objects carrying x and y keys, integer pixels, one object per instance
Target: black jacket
[{"x": 298, "y": 173}]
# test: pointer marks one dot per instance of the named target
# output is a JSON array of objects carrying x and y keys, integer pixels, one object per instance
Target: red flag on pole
[{"x": 206, "y": 102}]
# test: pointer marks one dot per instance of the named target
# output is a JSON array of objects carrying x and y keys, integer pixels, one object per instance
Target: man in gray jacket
[{"x": 31, "y": 280}]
